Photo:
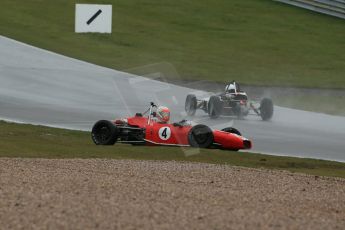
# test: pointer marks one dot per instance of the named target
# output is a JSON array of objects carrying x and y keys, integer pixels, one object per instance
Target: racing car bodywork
[
  {"x": 230, "y": 103},
  {"x": 140, "y": 130}
]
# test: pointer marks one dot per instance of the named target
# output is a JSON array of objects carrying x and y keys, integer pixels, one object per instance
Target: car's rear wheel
[
  {"x": 200, "y": 136},
  {"x": 232, "y": 130},
  {"x": 190, "y": 104},
  {"x": 215, "y": 107},
  {"x": 266, "y": 109},
  {"x": 104, "y": 133}
]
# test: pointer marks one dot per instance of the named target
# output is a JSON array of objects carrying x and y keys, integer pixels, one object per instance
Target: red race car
[{"x": 140, "y": 130}]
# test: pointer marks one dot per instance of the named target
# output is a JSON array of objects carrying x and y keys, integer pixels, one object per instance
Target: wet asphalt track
[{"x": 41, "y": 87}]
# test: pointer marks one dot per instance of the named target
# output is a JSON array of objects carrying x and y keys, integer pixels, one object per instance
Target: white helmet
[
  {"x": 163, "y": 114},
  {"x": 231, "y": 88}
]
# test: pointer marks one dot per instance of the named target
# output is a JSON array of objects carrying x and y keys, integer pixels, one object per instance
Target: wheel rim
[
  {"x": 200, "y": 136},
  {"x": 104, "y": 134},
  {"x": 212, "y": 112},
  {"x": 189, "y": 107}
]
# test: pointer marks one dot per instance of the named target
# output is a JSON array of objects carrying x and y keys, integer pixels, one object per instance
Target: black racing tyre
[
  {"x": 190, "y": 104},
  {"x": 232, "y": 130},
  {"x": 104, "y": 133},
  {"x": 266, "y": 109},
  {"x": 200, "y": 136},
  {"x": 215, "y": 107}
]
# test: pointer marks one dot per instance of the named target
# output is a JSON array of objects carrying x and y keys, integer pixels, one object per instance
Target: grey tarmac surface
[
  {"x": 41, "y": 87},
  {"x": 126, "y": 194}
]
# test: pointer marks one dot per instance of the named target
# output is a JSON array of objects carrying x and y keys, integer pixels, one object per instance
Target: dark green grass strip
[{"x": 30, "y": 141}]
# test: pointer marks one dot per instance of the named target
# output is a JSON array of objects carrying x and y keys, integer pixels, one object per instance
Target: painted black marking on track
[{"x": 94, "y": 17}]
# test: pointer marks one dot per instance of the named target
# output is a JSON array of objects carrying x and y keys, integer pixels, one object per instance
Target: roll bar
[{"x": 152, "y": 105}]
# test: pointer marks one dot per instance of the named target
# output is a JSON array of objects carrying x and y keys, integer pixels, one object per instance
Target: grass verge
[
  {"x": 18, "y": 140},
  {"x": 258, "y": 42},
  {"x": 323, "y": 104}
]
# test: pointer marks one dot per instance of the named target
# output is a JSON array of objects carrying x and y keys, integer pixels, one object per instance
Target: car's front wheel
[
  {"x": 104, "y": 133},
  {"x": 215, "y": 107},
  {"x": 190, "y": 104},
  {"x": 232, "y": 130},
  {"x": 266, "y": 109}
]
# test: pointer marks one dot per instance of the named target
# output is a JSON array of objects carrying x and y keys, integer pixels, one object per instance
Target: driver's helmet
[
  {"x": 231, "y": 88},
  {"x": 163, "y": 114}
]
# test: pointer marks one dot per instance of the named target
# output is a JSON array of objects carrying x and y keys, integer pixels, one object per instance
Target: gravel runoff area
[{"x": 128, "y": 194}]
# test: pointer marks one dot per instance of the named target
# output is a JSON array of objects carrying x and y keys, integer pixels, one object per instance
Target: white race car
[{"x": 232, "y": 102}]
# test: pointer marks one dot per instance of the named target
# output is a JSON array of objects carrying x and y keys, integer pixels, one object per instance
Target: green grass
[
  {"x": 258, "y": 42},
  {"x": 42, "y": 142},
  {"x": 323, "y": 104}
]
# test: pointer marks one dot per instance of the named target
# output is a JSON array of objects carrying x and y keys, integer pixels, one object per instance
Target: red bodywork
[{"x": 169, "y": 134}]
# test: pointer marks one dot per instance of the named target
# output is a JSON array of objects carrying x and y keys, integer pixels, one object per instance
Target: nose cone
[{"x": 247, "y": 144}]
